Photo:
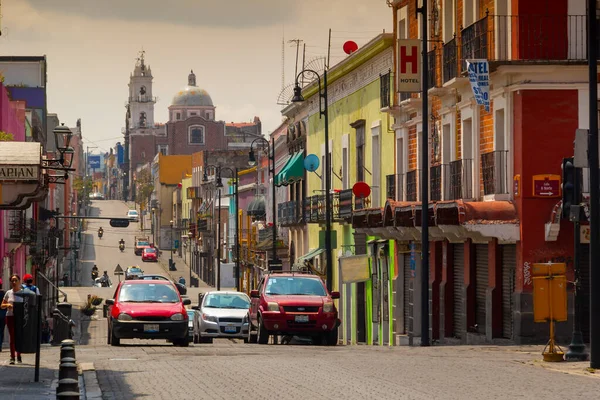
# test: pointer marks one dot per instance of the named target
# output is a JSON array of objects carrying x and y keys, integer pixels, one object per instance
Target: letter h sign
[{"x": 409, "y": 65}]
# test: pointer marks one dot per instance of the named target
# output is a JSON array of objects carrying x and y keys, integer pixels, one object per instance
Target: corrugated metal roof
[{"x": 20, "y": 153}]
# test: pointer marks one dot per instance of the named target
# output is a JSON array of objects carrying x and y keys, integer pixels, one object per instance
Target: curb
[{"x": 91, "y": 387}]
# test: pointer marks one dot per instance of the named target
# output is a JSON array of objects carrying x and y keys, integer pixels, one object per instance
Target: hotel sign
[{"x": 19, "y": 172}]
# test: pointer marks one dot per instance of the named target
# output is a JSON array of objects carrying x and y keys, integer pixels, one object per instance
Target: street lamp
[
  {"x": 190, "y": 235},
  {"x": 323, "y": 112},
  {"x": 171, "y": 259},
  {"x": 252, "y": 163}
]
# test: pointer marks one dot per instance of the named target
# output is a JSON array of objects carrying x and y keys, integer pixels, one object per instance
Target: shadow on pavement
[
  {"x": 114, "y": 386},
  {"x": 17, "y": 381}
]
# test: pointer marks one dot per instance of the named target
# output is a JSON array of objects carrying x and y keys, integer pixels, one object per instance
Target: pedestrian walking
[
  {"x": 2, "y": 317},
  {"x": 28, "y": 279},
  {"x": 8, "y": 301}
]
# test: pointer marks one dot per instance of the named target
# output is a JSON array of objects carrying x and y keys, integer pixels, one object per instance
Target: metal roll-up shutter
[
  {"x": 458, "y": 265},
  {"x": 509, "y": 264},
  {"x": 406, "y": 294},
  {"x": 481, "y": 284},
  {"x": 584, "y": 263}
]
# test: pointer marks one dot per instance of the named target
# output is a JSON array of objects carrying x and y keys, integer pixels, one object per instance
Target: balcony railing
[
  {"x": 342, "y": 205},
  {"x": 431, "y": 59},
  {"x": 16, "y": 226},
  {"x": 395, "y": 187},
  {"x": 411, "y": 185},
  {"x": 290, "y": 213},
  {"x": 493, "y": 170},
  {"x": 384, "y": 90},
  {"x": 450, "y": 61},
  {"x": 474, "y": 41},
  {"x": 435, "y": 182},
  {"x": 460, "y": 176}
]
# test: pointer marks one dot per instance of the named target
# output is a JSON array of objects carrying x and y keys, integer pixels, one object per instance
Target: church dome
[{"x": 192, "y": 95}]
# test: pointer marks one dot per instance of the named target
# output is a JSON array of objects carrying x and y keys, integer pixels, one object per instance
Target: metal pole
[
  {"x": 424, "y": 182},
  {"x": 327, "y": 172},
  {"x": 237, "y": 231},
  {"x": 274, "y": 250},
  {"x": 190, "y": 260},
  {"x": 219, "y": 244},
  {"x": 592, "y": 42},
  {"x": 171, "y": 244}
]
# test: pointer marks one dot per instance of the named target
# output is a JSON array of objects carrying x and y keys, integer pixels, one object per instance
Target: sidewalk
[
  {"x": 182, "y": 269},
  {"x": 17, "y": 381}
]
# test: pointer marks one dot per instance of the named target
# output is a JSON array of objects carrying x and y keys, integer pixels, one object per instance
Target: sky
[{"x": 234, "y": 48}]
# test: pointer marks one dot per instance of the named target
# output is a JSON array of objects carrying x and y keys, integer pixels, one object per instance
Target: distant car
[
  {"x": 133, "y": 273},
  {"x": 150, "y": 254},
  {"x": 148, "y": 310},
  {"x": 96, "y": 196},
  {"x": 294, "y": 304},
  {"x": 141, "y": 243},
  {"x": 133, "y": 216},
  {"x": 222, "y": 315}
]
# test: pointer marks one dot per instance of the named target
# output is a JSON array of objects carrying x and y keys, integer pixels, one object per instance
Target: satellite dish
[
  {"x": 350, "y": 47},
  {"x": 361, "y": 189},
  {"x": 311, "y": 163}
]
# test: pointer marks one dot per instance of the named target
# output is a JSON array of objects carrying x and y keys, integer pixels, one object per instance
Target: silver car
[{"x": 222, "y": 315}]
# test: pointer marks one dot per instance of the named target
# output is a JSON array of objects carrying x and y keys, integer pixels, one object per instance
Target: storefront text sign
[
  {"x": 546, "y": 186},
  {"x": 19, "y": 172}
]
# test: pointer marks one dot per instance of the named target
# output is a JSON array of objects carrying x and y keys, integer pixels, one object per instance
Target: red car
[
  {"x": 150, "y": 254},
  {"x": 293, "y": 304},
  {"x": 147, "y": 309}
]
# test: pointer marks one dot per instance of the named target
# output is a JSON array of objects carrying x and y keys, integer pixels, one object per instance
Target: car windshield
[
  {"x": 190, "y": 314},
  {"x": 133, "y": 213},
  {"x": 293, "y": 285},
  {"x": 148, "y": 293},
  {"x": 154, "y": 278},
  {"x": 227, "y": 300},
  {"x": 134, "y": 270},
  {"x": 150, "y": 250},
  {"x": 143, "y": 244}
]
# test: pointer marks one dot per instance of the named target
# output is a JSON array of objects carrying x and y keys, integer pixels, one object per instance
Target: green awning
[
  {"x": 293, "y": 171},
  {"x": 310, "y": 255}
]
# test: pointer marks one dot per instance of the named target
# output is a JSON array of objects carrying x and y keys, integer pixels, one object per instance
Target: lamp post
[
  {"x": 219, "y": 185},
  {"x": 190, "y": 235},
  {"x": 171, "y": 259},
  {"x": 252, "y": 162},
  {"x": 323, "y": 112}
]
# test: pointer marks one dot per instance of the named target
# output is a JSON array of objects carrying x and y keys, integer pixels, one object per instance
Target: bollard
[
  {"x": 68, "y": 396},
  {"x": 68, "y": 370},
  {"x": 68, "y": 385},
  {"x": 67, "y": 351},
  {"x": 67, "y": 342}
]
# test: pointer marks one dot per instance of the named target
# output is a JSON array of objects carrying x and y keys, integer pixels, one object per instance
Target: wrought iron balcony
[
  {"x": 395, "y": 187},
  {"x": 411, "y": 185},
  {"x": 494, "y": 171},
  {"x": 460, "y": 176},
  {"x": 475, "y": 41},
  {"x": 16, "y": 226},
  {"x": 290, "y": 213},
  {"x": 341, "y": 210},
  {"x": 435, "y": 182},
  {"x": 431, "y": 75},
  {"x": 450, "y": 61},
  {"x": 384, "y": 90}
]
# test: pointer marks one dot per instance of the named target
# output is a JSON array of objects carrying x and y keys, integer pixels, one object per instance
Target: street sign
[
  {"x": 94, "y": 161},
  {"x": 176, "y": 243},
  {"x": 546, "y": 186},
  {"x": 409, "y": 65},
  {"x": 118, "y": 270},
  {"x": 119, "y": 222},
  {"x": 275, "y": 265}
]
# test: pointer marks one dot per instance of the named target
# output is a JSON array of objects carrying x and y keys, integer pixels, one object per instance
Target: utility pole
[
  {"x": 592, "y": 43},
  {"x": 424, "y": 182}
]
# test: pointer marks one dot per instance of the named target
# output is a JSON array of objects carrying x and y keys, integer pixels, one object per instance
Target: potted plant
[
  {"x": 88, "y": 308},
  {"x": 96, "y": 301}
]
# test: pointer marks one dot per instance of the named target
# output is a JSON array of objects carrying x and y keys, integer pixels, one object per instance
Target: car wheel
[
  {"x": 108, "y": 336},
  {"x": 263, "y": 334},
  {"x": 114, "y": 341},
  {"x": 331, "y": 338},
  {"x": 196, "y": 341},
  {"x": 207, "y": 340},
  {"x": 252, "y": 337}
]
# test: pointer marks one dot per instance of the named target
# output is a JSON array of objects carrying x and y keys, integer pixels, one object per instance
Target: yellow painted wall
[{"x": 186, "y": 203}]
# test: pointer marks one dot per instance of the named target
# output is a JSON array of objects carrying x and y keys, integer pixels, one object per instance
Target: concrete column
[
  {"x": 447, "y": 292},
  {"x": 469, "y": 294},
  {"x": 493, "y": 302}
]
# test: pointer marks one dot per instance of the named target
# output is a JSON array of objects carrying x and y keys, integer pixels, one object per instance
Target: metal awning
[
  {"x": 293, "y": 171},
  {"x": 311, "y": 254}
]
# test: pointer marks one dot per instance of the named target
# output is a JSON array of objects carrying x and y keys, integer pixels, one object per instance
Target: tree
[
  {"x": 145, "y": 187},
  {"x": 6, "y": 137},
  {"x": 82, "y": 186}
]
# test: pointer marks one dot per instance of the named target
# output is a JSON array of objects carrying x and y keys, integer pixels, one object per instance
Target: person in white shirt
[{"x": 7, "y": 304}]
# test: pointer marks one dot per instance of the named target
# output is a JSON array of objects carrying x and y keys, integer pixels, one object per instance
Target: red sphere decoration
[{"x": 350, "y": 47}]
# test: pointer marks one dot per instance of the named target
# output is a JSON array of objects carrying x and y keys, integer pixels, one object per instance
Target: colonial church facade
[{"x": 192, "y": 125}]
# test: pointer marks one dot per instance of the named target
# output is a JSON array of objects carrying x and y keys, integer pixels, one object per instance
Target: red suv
[
  {"x": 147, "y": 309},
  {"x": 293, "y": 304}
]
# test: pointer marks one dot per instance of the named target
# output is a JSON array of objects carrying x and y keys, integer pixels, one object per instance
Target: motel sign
[{"x": 409, "y": 65}]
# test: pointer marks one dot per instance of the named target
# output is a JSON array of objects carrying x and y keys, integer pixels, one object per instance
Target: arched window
[
  {"x": 142, "y": 119},
  {"x": 196, "y": 134},
  {"x": 143, "y": 90}
]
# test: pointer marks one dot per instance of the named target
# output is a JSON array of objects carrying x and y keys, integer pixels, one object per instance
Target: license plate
[
  {"x": 151, "y": 328},
  {"x": 301, "y": 318},
  {"x": 230, "y": 329}
]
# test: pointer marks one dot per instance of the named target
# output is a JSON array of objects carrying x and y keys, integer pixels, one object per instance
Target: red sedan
[
  {"x": 150, "y": 254},
  {"x": 143, "y": 309}
]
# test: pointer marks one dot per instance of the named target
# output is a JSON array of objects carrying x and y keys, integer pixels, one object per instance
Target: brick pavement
[{"x": 17, "y": 381}]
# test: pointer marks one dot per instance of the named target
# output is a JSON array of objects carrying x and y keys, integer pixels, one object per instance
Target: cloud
[{"x": 210, "y": 13}]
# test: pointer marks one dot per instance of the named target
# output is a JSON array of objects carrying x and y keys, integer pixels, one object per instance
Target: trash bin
[
  {"x": 26, "y": 321},
  {"x": 61, "y": 316}
]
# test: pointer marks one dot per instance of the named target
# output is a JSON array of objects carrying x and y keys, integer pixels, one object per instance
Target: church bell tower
[{"x": 141, "y": 101}]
